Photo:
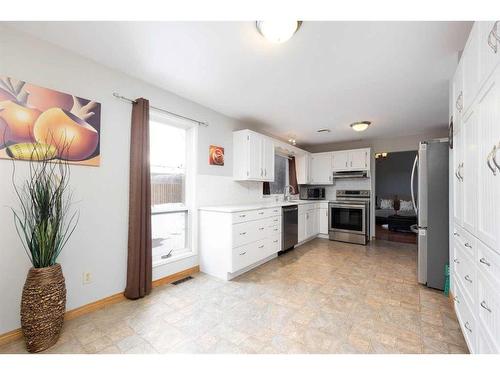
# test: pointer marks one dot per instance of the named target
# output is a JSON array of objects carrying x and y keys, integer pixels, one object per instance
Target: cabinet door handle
[
  {"x": 460, "y": 167},
  {"x": 489, "y": 164},
  {"x": 456, "y": 234},
  {"x": 468, "y": 245},
  {"x": 468, "y": 327},
  {"x": 243, "y": 233},
  {"x": 494, "y": 156},
  {"x": 265, "y": 171},
  {"x": 261, "y": 246},
  {"x": 243, "y": 253},
  {"x": 458, "y": 103},
  {"x": 261, "y": 228},
  {"x": 456, "y": 174},
  {"x": 456, "y": 299},
  {"x": 493, "y": 34},
  {"x": 243, "y": 215},
  {"x": 261, "y": 172},
  {"x": 275, "y": 241},
  {"x": 467, "y": 277},
  {"x": 456, "y": 261},
  {"x": 261, "y": 213},
  {"x": 484, "y": 261},
  {"x": 485, "y": 306}
]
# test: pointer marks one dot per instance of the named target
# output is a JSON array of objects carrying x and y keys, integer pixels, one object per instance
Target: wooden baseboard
[
  {"x": 176, "y": 276},
  {"x": 5, "y": 338},
  {"x": 11, "y": 336}
]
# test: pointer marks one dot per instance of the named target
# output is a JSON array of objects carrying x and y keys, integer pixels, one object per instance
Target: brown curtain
[
  {"x": 292, "y": 173},
  {"x": 139, "y": 264}
]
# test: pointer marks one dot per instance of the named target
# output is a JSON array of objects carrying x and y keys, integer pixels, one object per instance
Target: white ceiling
[{"x": 328, "y": 75}]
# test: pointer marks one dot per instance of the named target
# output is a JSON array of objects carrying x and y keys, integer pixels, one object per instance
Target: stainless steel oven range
[{"x": 349, "y": 217}]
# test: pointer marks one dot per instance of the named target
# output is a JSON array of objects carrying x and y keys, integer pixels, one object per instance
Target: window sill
[{"x": 183, "y": 255}]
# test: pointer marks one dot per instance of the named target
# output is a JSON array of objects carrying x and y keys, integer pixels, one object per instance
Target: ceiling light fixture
[
  {"x": 292, "y": 141},
  {"x": 360, "y": 126},
  {"x": 323, "y": 131},
  {"x": 277, "y": 31}
]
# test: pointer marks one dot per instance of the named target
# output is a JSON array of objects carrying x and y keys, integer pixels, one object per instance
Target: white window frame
[
  {"x": 277, "y": 196},
  {"x": 189, "y": 187}
]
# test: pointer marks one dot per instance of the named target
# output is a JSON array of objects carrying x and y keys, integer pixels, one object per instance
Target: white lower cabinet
[
  {"x": 230, "y": 243},
  {"x": 308, "y": 221},
  {"x": 323, "y": 220},
  {"x": 475, "y": 277}
]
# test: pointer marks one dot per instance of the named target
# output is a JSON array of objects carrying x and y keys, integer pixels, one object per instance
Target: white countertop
[{"x": 258, "y": 206}]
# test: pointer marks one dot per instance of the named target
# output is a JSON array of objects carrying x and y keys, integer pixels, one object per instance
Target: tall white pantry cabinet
[{"x": 475, "y": 250}]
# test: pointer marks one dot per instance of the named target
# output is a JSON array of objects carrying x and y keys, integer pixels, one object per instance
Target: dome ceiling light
[
  {"x": 277, "y": 31},
  {"x": 360, "y": 126}
]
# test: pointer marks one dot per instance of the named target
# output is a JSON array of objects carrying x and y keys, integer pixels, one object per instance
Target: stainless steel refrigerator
[{"x": 431, "y": 206}]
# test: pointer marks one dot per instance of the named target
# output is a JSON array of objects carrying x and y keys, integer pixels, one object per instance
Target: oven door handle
[{"x": 354, "y": 206}]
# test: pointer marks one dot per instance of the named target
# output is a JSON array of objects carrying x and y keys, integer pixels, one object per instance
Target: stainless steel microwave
[{"x": 312, "y": 193}]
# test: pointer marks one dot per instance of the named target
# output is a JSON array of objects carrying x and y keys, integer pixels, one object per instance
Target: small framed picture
[{"x": 216, "y": 155}]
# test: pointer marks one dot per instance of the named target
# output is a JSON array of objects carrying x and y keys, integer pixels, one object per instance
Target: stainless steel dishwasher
[{"x": 289, "y": 236}]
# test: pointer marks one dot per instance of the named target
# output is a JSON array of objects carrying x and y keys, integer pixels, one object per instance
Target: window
[
  {"x": 170, "y": 215},
  {"x": 280, "y": 175}
]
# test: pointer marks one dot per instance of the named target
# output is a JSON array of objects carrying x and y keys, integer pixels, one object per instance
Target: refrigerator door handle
[{"x": 412, "y": 177}]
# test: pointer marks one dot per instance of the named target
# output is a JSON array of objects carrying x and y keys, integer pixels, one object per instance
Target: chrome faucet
[{"x": 286, "y": 192}]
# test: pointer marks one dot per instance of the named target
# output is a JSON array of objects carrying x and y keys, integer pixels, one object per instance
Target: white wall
[
  {"x": 388, "y": 144},
  {"x": 99, "y": 245}
]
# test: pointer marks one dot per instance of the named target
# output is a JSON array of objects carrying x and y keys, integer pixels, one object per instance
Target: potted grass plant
[{"x": 44, "y": 221}]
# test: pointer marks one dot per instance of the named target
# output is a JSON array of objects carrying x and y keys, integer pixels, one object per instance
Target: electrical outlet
[{"x": 87, "y": 277}]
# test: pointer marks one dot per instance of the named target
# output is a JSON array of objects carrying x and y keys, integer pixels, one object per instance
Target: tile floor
[{"x": 323, "y": 297}]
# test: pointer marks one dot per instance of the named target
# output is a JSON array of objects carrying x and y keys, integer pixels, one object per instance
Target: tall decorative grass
[{"x": 44, "y": 219}]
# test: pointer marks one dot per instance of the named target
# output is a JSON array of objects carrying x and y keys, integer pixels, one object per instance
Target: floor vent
[{"x": 182, "y": 280}]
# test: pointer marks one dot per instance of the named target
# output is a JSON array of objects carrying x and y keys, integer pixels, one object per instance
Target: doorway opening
[{"x": 394, "y": 211}]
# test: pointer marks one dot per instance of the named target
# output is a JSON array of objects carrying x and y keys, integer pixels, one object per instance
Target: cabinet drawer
[
  {"x": 466, "y": 241},
  {"x": 246, "y": 255},
  {"x": 274, "y": 244},
  {"x": 484, "y": 344},
  {"x": 488, "y": 263},
  {"x": 274, "y": 221},
  {"x": 466, "y": 319},
  {"x": 242, "y": 216},
  {"x": 274, "y": 230},
  {"x": 488, "y": 308},
  {"x": 465, "y": 273},
  {"x": 244, "y": 233}
]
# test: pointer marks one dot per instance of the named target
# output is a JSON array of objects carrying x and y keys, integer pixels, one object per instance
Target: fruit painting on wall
[
  {"x": 37, "y": 122},
  {"x": 216, "y": 155}
]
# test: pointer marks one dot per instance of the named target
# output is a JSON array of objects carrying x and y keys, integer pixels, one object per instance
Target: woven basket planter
[{"x": 43, "y": 305}]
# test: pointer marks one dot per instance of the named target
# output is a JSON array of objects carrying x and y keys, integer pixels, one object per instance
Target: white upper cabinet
[
  {"x": 322, "y": 168},
  {"x": 457, "y": 176},
  {"x": 358, "y": 159},
  {"x": 341, "y": 160},
  {"x": 253, "y": 156},
  {"x": 470, "y": 68},
  {"x": 468, "y": 171},
  {"x": 303, "y": 168},
  {"x": 488, "y": 164},
  {"x": 268, "y": 159},
  {"x": 489, "y": 47},
  {"x": 458, "y": 102}
]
